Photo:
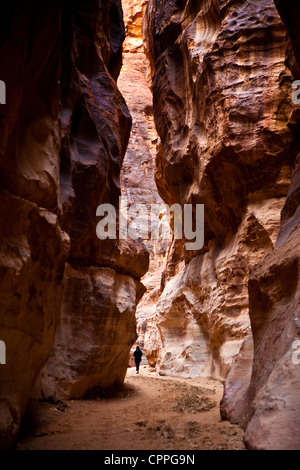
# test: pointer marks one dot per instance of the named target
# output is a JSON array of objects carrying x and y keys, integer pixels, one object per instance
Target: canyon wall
[
  {"x": 264, "y": 396},
  {"x": 273, "y": 404},
  {"x": 222, "y": 74},
  {"x": 137, "y": 173},
  {"x": 64, "y": 132},
  {"x": 102, "y": 287},
  {"x": 34, "y": 246},
  {"x": 223, "y": 112}
]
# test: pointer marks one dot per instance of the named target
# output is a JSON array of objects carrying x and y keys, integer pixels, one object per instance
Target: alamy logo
[
  {"x": 138, "y": 222},
  {"x": 2, "y": 352},
  {"x": 296, "y": 94},
  {"x": 2, "y": 92},
  {"x": 296, "y": 354}
]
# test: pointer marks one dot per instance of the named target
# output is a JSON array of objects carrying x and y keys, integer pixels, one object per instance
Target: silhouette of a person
[{"x": 137, "y": 358}]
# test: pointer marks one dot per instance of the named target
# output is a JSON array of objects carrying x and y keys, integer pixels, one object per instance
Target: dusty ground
[{"x": 149, "y": 413}]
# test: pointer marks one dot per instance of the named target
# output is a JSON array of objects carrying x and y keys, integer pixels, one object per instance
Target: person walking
[{"x": 137, "y": 358}]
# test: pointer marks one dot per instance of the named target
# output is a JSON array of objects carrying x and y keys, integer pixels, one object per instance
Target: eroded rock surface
[
  {"x": 64, "y": 132},
  {"x": 102, "y": 287},
  {"x": 33, "y": 245},
  {"x": 137, "y": 173},
  {"x": 222, "y": 75},
  {"x": 223, "y": 112},
  {"x": 92, "y": 345},
  {"x": 274, "y": 405}
]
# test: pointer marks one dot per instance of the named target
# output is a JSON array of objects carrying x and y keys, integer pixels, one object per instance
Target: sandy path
[{"x": 149, "y": 413}]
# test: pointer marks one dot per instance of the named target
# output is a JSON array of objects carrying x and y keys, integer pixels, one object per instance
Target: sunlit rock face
[
  {"x": 202, "y": 314},
  {"x": 137, "y": 173},
  {"x": 64, "y": 131},
  {"x": 223, "y": 112}
]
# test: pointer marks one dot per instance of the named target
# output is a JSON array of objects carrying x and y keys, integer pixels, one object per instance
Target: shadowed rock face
[
  {"x": 64, "y": 132},
  {"x": 223, "y": 112},
  {"x": 97, "y": 324},
  {"x": 273, "y": 397},
  {"x": 91, "y": 347},
  {"x": 32, "y": 244}
]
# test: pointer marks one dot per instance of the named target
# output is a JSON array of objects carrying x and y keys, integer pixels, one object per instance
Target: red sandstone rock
[
  {"x": 64, "y": 132},
  {"x": 273, "y": 397},
  {"x": 274, "y": 405},
  {"x": 32, "y": 245},
  {"x": 137, "y": 174},
  {"x": 268, "y": 406},
  {"x": 96, "y": 329},
  {"x": 234, "y": 403},
  {"x": 103, "y": 288},
  {"x": 222, "y": 108}
]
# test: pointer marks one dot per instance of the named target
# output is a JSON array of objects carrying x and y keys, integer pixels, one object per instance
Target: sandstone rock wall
[
  {"x": 221, "y": 76},
  {"x": 137, "y": 173},
  {"x": 33, "y": 245},
  {"x": 64, "y": 132},
  {"x": 223, "y": 112},
  {"x": 273, "y": 403},
  {"x": 102, "y": 287},
  {"x": 96, "y": 329}
]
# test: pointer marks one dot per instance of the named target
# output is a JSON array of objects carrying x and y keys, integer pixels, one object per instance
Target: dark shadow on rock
[{"x": 116, "y": 392}]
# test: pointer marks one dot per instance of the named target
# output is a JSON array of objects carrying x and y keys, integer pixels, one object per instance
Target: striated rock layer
[
  {"x": 102, "y": 287},
  {"x": 265, "y": 398},
  {"x": 273, "y": 404},
  {"x": 91, "y": 348},
  {"x": 33, "y": 245},
  {"x": 64, "y": 132},
  {"x": 223, "y": 112},
  {"x": 137, "y": 173}
]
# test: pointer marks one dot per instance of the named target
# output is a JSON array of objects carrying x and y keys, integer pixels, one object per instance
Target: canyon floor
[{"x": 150, "y": 412}]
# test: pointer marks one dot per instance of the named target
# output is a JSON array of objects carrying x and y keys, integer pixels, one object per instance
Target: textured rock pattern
[
  {"x": 206, "y": 302},
  {"x": 222, "y": 108},
  {"x": 273, "y": 400},
  {"x": 137, "y": 174},
  {"x": 100, "y": 334},
  {"x": 96, "y": 331},
  {"x": 33, "y": 248},
  {"x": 64, "y": 132}
]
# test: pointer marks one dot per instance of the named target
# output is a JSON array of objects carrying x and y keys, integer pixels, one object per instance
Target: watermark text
[
  {"x": 296, "y": 353},
  {"x": 2, "y": 352},
  {"x": 2, "y": 92},
  {"x": 296, "y": 94},
  {"x": 138, "y": 221}
]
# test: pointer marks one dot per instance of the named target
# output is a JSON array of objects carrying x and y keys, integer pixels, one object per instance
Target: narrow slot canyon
[{"x": 116, "y": 112}]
